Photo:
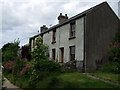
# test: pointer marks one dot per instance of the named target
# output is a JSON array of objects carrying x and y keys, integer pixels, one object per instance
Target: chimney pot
[
  {"x": 60, "y": 14},
  {"x": 43, "y": 28},
  {"x": 62, "y": 18}
]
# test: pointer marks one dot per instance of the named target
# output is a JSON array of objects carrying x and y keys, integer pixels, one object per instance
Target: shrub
[
  {"x": 9, "y": 66},
  {"x": 40, "y": 69},
  {"x": 10, "y": 51},
  {"x": 40, "y": 50},
  {"x": 114, "y": 55},
  {"x": 18, "y": 66},
  {"x": 46, "y": 65},
  {"x": 24, "y": 70},
  {"x": 114, "y": 52},
  {"x": 111, "y": 67}
]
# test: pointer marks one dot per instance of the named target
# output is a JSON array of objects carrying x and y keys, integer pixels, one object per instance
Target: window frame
[
  {"x": 54, "y": 36},
  {"x": 53, "y": 54},
  {"x": 71, "y": 54},
  {"x": 72, "y": 32},
  {"x": 61, "y": 55}
]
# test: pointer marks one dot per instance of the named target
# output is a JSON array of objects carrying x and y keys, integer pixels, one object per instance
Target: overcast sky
[{"x": 22, "y": 18}]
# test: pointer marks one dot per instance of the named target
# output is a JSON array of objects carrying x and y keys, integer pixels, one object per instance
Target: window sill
[
  {"x": 72, "y": 37},
  {"x": 53, "y": 42}
]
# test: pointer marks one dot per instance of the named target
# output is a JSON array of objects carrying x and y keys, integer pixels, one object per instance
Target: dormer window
[
  {"x": 54, "y": 36},
  {"x": 72, "y": 29}
]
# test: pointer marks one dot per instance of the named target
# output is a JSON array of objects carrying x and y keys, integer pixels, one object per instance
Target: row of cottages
[{"x": 84, "y": 37}]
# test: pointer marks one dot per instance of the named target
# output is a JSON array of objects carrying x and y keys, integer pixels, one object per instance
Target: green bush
[
  {"x": 10, "y": 51},
  {"x": 46, "y": 65},
  {"x": 40, "y": 69},
  {"x": 18, "y": 66},
  {"x": 114, "y": 56},
  {"x": 111, "y": 67},
  {"x": 114, "y": 52},
  {"x": 40, "y": 50}
]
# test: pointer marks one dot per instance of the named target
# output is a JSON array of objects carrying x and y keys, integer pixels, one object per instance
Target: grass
[
  {"x": 107, "y": 76},
  {"x": 65, "y": 80},
  {"x": 77, "y": 80}
]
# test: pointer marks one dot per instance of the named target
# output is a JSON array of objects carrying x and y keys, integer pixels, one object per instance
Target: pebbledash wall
[{"x": 63, "y": 41}]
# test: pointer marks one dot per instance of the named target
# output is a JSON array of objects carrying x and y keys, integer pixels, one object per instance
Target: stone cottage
[{"x": 84, "y": 37}]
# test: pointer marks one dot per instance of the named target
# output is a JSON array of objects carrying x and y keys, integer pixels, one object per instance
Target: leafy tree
[
  {"x": 40, "y": 50},
  {"x": 10, "y": 51}
]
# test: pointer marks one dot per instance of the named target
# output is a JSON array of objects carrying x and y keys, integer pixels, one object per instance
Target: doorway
[{"x": 62, "y": 55}]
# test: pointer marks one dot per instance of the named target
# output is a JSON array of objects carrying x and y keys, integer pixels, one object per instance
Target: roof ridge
[{"x": 72, "y": 18}]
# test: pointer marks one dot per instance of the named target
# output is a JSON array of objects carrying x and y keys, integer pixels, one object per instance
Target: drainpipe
[{"x": 84, "y": 65}]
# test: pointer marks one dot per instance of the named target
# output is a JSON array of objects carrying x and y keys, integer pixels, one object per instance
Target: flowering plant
[
  {"x": 115, "y": 45},
  {"x": 25, "y": 69},
  {"x": 9, "y": 65}
]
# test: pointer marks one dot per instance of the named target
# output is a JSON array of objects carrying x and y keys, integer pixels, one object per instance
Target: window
[
  {"x": 53, "y": 54},
  {"x": 62, "y": 55},
  {"x": 54, "y": 36},
  {"x": 72, "y": 53},
  {"x": 72, "y": 29}
]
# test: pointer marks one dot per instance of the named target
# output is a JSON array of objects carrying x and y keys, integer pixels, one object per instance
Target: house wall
[
  {"x": 62, "y": 40},
  {"x": 101, "y": 26}
]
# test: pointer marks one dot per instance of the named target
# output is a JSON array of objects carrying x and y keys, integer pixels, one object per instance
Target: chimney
[
  {"x": 43, "y": 28},
  {"x": 62, "y": 18}
]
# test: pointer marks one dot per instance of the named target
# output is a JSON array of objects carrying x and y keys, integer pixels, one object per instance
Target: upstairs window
[
  {"x": 72, "y": 29},
  {"x": 54, "y": 36}
]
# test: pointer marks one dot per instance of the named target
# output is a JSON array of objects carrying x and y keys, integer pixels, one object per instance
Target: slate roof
[{"x": 70, "y": 19}]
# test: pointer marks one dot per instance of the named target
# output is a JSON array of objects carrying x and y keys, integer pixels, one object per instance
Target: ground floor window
[
  {"x": 53, "y": 54},
  {"x": 72, "y": 53},
  {"x": 62, "y": 54}
]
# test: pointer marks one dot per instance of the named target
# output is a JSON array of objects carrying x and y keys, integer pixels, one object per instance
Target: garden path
[{"x": 7, "y": 84}]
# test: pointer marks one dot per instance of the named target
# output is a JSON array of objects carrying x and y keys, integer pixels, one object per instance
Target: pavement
[{"x": 8, "y": 85}]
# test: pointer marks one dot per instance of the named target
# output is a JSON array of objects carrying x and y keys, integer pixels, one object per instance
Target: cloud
[{"x": 22, "y": 18}]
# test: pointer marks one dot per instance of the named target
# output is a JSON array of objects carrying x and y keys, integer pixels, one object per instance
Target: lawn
[
  {"x": 77, "y": 80},
  {"x": 107, "y": 76},
  {"x": 68, "y": 80}
]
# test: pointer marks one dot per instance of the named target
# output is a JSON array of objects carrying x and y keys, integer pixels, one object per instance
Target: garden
[{"x": 27, "y": 69}]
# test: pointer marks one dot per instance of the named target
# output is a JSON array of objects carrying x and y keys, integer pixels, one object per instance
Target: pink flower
[
  {"x": 115, "y": 45},
  {"x": 25, "y": 69},
  {"x": 9, "y": 65}
]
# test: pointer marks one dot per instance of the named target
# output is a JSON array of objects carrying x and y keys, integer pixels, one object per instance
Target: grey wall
[{"x": 101, "y": 26}]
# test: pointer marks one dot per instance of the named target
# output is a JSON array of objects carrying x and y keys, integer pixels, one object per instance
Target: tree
[
  {"x": 40, "y": 50},
  {"x": 10, "y": 51},
  {"x": 25, "y": 52}
]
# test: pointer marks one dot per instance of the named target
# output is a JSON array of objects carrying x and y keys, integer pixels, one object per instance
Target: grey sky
[{"x": 22, "y": 18}]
